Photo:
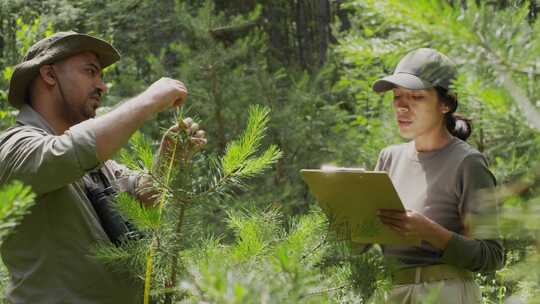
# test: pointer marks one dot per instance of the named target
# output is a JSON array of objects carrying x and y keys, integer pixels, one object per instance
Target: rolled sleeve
[
  {"x": 125, "y": 179},
  {"x": 48, "y": 162},
  {"x": 84, "y": 145}
]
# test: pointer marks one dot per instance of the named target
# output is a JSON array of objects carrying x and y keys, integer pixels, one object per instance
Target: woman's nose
[
  {"x": 401, "y": 106},
  {"x": 402, "y": 109}
]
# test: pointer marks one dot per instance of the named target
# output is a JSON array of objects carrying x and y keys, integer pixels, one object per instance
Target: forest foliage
[{"x": 304, "y": 69}]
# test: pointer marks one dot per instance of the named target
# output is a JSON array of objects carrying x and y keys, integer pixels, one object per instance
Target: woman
[{"x": 438, "y": 176}]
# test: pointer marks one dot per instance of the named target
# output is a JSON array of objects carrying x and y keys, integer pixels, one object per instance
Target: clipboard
[{"x": 350, "y": 199}]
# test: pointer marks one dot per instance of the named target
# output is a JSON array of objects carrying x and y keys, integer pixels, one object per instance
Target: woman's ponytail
[{"x": 458, "y": 125}]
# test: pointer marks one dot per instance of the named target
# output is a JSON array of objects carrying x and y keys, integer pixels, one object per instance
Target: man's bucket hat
[
  {"x": 420, "y": 69},
  {"x": 53, "y": 49}
]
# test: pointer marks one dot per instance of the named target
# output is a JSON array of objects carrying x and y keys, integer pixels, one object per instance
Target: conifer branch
[
  {"x": 179, "y": 193},
  {"x": 314, "y": 249}
]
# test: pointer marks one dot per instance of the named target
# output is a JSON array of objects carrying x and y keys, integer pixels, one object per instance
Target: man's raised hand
[{"x": 165, "y": 93}]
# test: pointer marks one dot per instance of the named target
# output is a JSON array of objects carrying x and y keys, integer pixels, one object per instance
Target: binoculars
[{"x": 117, "y": 228}]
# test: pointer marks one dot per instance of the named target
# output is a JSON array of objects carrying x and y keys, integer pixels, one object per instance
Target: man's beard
[
  {"x": 91, "y": 108},
  {"x": 77, "y": 113},
  {"x": 88, "y": 109}
]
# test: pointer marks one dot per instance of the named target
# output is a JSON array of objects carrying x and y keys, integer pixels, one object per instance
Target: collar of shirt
[{"x": 28, "y": 116}]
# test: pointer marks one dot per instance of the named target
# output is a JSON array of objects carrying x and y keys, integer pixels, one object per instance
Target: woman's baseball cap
[{"x": 420, "y": 69}]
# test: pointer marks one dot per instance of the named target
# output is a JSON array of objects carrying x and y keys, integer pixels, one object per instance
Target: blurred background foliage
[{"x": 312, "y": 63}]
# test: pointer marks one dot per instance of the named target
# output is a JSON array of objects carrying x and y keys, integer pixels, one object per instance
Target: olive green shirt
[
  {"x": 49, "y": 256},
  {"x": 453, "y": 187}
]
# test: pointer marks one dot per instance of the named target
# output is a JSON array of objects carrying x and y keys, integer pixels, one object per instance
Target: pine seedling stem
[
  {"x": 174, "y": 259},
  {"x": 150, "y": 256},
  {"x": 178, "y": 232}
]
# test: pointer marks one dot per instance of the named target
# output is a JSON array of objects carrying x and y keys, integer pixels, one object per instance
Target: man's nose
[{"x": 102, "y": 85}]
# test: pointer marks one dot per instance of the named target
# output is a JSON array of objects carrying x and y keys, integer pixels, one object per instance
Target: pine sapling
[{"x": 183, "y": 177}]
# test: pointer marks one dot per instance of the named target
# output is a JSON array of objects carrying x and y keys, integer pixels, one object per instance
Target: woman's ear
[
  {"x": 46, "y": 72},
  {"x": 444, "y": 108}
]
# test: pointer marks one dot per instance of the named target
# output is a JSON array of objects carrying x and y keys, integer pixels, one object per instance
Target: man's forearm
[{"x": 114, "y": 128}]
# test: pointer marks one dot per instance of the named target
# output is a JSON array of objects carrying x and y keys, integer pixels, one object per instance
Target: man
[{"x": 54, "y": 144}]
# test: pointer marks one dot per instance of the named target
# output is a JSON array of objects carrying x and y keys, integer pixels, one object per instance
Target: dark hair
[{"x": 458, "y": 125}]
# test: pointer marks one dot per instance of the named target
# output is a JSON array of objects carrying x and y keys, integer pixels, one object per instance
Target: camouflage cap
[
  {"x": 420, "y": 69},
  {"x": 53, "y": 49}
]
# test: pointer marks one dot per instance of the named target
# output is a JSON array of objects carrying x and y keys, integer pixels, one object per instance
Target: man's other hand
[{"x": 197, "y": 139}]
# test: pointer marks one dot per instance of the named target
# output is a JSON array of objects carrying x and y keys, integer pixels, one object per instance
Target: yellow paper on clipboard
[{"x": 350, "y": 199}]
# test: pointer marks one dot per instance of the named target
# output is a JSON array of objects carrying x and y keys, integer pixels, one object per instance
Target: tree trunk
[
  {"x": 222, "y": 141},
  {"x": 324, "y": 29},
  {"x": 533, "y": 10},
  {"x": 277, "y": 29},
  {"x": 301, "y": 34}
]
